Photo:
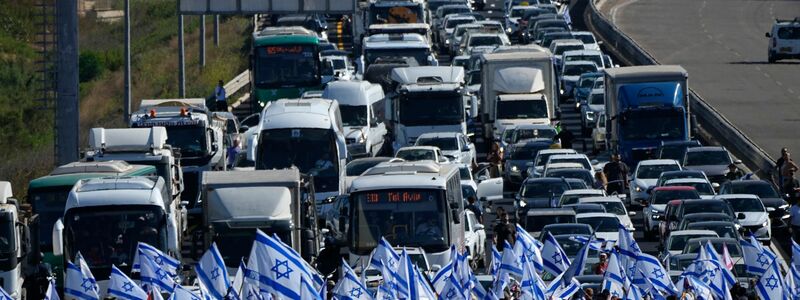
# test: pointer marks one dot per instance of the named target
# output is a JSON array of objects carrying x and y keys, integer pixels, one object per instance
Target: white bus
[{"x": 411, "y": 204}]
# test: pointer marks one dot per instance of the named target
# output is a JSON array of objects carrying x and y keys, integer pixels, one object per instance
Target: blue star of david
[
  {"x": 251, "y": 275},
  {"x": 391, "y": 263},
  {"x": 215, "y": 273},
  {"x": 451, "y": 293},
  {"x": 529, "y": 253},
  {"x": 557, "y": 258},
  {"x": 713, "y": 272},
  {"x": 277, "y": 269},
  {"x": 161, "y": 274},
  {"x": 87, "y": 285},
  {"x": 658, "y": 274},
  {"x": 772, "y": 282},
  {"x": 356, "y": 292},
  {"x": 615, "y": 294},
  {"x": 127, "y": 287},
  {"x": 635, "y": 247},
  {"x": 762, "y": 259},
  {"x": 250, "y": 295},
  {"x": 159, "y": 261}
]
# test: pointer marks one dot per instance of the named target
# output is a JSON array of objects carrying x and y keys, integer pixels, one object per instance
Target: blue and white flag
[
  {"x": 180, "y": 293},
  {"x": 497, "y": 259},
  {"x": 277, "y": 269},
  {"x": 554, "y": 260},
  {"x": 52, "y": 292},
  {"x": 405, "y": 277},
  {"x": 614, "y": 278},
  {"x": 164, "y": 261},
  {"x": 78, "y": 285},
  {"x": 650, "y": 269},
  {"x": 532, "y": 286},
  {"x": 714, "y": 274},
  {"x": 154, "y": 275},
  {"x": 634, "y": 293},
  {"x": 511, "y": 262},
  {"x": 691, "y": 284},
  {"x": 121, "y": 286},
  {"x": 442, "y": 276},
  {"x": 595, "y": 243},
  {"x": 384, "y": 253},
  {"x": 756, "y": 257},
  {"x": 453, "y": 290},
  {"x": 795, "y": 254},
  {"x": 791, "y": 285},
  {"x": 628, "y": 248},
  {"x": 565, "y": 292},
  {"x": 770, "y": 285},
  {"x": 387, "y": 289},
  {"x": 4, "y": 295},
  {"x": 349, "y": 286},
  {"x": 577, "y": 265},
  {"x": 423, "y": 287},
  {"x": 308, "y": 270},
  {"x": 707, "y": 252},
  {"x": 212, "y": 272},
  {"x": 528, "y": 247}
]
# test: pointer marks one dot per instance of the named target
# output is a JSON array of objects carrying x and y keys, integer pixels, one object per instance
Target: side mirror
[
  {"x": 456, "y": 217},
  {"x": 172, "y": 236},
  {"x": 738, "y": 161},
  {"x": 599, "y": 42},
  {"x": 243, "y": 129},
  {"x": 479, "y": 227},
  {"x": 631, "y": 213},
  {"x": 715, "y": 185},
  {"x": 741, "y": 216},
  {"x": 58, "y": 238},
  {"x": 767, "y": 34}
]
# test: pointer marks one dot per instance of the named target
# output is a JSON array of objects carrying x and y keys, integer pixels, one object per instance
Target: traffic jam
[{"x": 452, "y": 150}]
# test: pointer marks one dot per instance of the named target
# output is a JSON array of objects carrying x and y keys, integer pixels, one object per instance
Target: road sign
[{"x": 239, "y": 7}]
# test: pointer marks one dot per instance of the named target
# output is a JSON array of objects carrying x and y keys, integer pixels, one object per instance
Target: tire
[{"x": 770, "y": 58}]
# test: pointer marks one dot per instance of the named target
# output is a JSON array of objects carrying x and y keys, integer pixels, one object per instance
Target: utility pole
[
  {"x": 216, "y": 30},
  {"x": 181, "y": 62},
  {"x": 202, "y": 41},
  {"x": 67, "y": 112},
  {"x": 127, "y": 74}
]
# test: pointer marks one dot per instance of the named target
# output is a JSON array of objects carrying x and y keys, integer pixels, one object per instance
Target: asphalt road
[{"x": 722, "y": 45}]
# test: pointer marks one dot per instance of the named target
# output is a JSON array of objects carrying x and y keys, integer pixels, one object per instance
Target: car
[
  {"x": 532, "y": 131},
  {"x": 454, "y": 145},
  {"x": 613, "y": 206},
  {"x": 675, "y": 149},
  {"x": 565, "y": 228},
  {"x": 570, "y": 73},
  {"x": 575, "y": 183},
  {"x": 313, "y": 22},
  {"x": 687, "y": 207},
  {"x": 454, "y": 40},
  {"x": 469, "y": 187},
  {"x": 479, "y": 39},
  {"x": 474, "y": 239},
  {"x": 536, "y": 168},
  {"x": 722, "y": 228},
  {"x": 712, "y": 160},
  {"x": 593, "y": 106},
  {"x": 572, "y": 172},
  {"x": 605, "y": 225},
  {"x": 517, "y": 158},
  {"x": 580, "y": 159},
  {"x": 573, "y": 243},
  {"x": 677, "y": 265},
  {"x": 539, "y": 193},
  {"x": 595, "y": 56},
  {"x": 572, "y": 196},
  {"x": 666, "y": 176},
  {"x": 656, "y": 205},
  {"x": 548, "y": 21},
  {"x": 448, "y": 26},
  {"x": 756, "y": 219},
  {"x": 584, "y": 87},
  {"x": 668, "y": 221},
  {"x": 548, "y": 37},
  {"x": 784, "y": 40},
  {"x": 599, "y": 133},
  {"x": 335, "y": 215},
  {"x": 536, "y": 219},
  {"x": 558, "y": 47},
  {"x": 587, "y": 37},
  {"x": 776, "y": 206},
  {"x": 513, "y": 18},
  {"x": 581, "y": 208},
  {"x": 646, "y": 175},
  {"x": 505, "y": 137},
  {"x": 444, "y": 10},
  {"x": 677, "y": 241},
  {"x": 358, "y": 166},
  {"x": 704, "y": 217},
  {"x": 703, "y": 187},
  {"x": 734, "y": 249},
  {"x": 418, "y": 153}
]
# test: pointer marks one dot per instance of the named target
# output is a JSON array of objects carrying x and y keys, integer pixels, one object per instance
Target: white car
[
  {"x": 605, "y": 225},
  {"x": 418, "y": 153},
  {"x": 613, "y": 206},
  {"x": 677, "y": 241},
  {"x": 573, "y": 196},
  {"x": 703, "y": 187},
  {"x": 784, "y": 40},
  {"x": 474, "y": 239},
  {"x": 594, "y": 106},
  {"x": 756, "y": 219},
  {"x": 599, "y": 132},
  {"x": 587, "y": 38},
  {"x": 454, "y": 145},
  {"x": 646, "y": 175},
  {"x": 537, "y": 167},
  {"x": 578, "y": 158},
  {"x": 468, "y": 185}
]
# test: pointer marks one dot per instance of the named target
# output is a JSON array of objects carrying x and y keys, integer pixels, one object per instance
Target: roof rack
[{"x": 795, "y": 20}]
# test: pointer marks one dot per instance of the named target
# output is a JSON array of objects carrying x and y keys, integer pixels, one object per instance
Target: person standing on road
[
  {"x": 782, "y": 165},
  {"x": 616, "y": 173},
  {"x": 234, "y": 151},
  {"x": 504, "y": 231},
  {"x": 219, "y": 95},
  {"x": 495, "y": 159},
  {"x": 566, "y": 138},
  {"x": 475, "y": 209},
  {"x": 600, "y": 180},
  {"x": 734, "y": 173},
  {"x": 791, "y": 186}
]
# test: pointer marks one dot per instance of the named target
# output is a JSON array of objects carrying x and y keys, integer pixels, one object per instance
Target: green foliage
[{"x": 89, "y": 66}]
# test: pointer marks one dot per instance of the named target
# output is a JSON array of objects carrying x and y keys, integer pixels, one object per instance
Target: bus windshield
[
  {"x": 191, "y": 140},
  {"x": 432, "y": 108},
  {"x": 49, "y": 205},
  {"x": 311, "y": 150},
  {"x": 286, "y": 66},
  {"x": 115, "y": 242},
  {"x": 413, "y": 217},
  {"x": 235, "y": 243}
]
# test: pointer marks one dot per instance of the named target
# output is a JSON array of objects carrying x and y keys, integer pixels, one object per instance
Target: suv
[{"x": 784, "y": 40}]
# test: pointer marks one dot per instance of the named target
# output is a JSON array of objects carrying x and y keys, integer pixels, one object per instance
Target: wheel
[{"x": 770, "y": 58}]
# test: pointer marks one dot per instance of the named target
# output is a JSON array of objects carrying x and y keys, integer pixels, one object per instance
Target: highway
[{"x": 722, "y": 45}]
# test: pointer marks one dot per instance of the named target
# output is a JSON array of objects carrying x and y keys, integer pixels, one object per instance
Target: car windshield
[
  {"x": 578, "y": 160},
  {"x": 560, "y": 49},
  {"x": 544, "y": 189},
  {"x": 597, "y": 99},
  {"x": 528, "y": 152},
  {"x": 707, "y": 158},
  {"x": 192, "y": 140},
  {"x": 419, "y": 55},
  {"x": 464, "y": 173},
  {"x": 445, "y": 144},
  {"x": 746, "y": 205},
  {"x": 529, "y": 133},
  {"x": 433, "y": 108},
  {"x": 789, "y": 33},
  {"x": 678, "y": 242},
  {"x": 535, "y": 109},
  {"x": 692, "y": 207},
  {"x": 573, "y": 198},
  {"x": 681, "y": 175},
  {"x": 353, "y": 115},
  {"x": 452, "y": 23},
  {"x": 727, "y": 230},
  {"x": 653, "y": 125},
  {"x": 597, "y": 59},
  {"x": 477, "y": 41},
  {"x": 694, "y": 247},
  {"x": 542, "y": 158},
  {"x": 416, "y": 154},
  {"x": 680, "y": 263},
  {"x": 571, "y": 246},
  {"x": 312, "y": 151},
  {"x": 535, "y": 223},
  {"x": 703, "y": 188},
  {"x": 585, "y": 38},
  {"x": 654, "y": 171},
  {"x": 614, "y": 207},
  {"x": 358, "y": 167},
  {"x": 581, "y": 174},
  {"x": 664, "y": 197},
  {"x": 286, "y": 66},
  {"x": 576, "y": 229},
  {"x": 762, "y": 190},
  {"x": 601, "y": 224},
  {"x": 578, "y": 69}
]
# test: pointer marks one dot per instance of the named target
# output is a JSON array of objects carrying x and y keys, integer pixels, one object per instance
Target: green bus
[
  {"x": 48, "y": 196},
  {"x": 284, "y": 63}
]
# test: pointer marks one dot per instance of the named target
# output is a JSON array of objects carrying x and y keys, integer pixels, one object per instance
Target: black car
[
  {"x": 540, "y": 193},
  {"x": 675, "y": 149},
  {"x": 777, "y": 208}
]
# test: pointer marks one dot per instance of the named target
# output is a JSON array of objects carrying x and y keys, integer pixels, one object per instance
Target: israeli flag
[
  {"x": 349, "y": 286},
  {"x": 387, "y": 289},
  {"x": 154, "y": 275},
  {"x": 384, "y": 253},
  {"x": 595, "y": 244},
  {"x": 532, "y": 286},
  {"x": 462, "y": 270},
  {"x": 424, "y": 289},
  {"x": 497, "y": 258},
  {"x": 634, "y": 293},
  {"x": 121, "y": 286},
  {"x": 577, "y": 266},
  {"x": 714, "y": 274},
  {"x": 162, "y": 260},
  {"x": 701, "y": 290},
  {"x": 756, "y": 258},
  {"x": 795, "y": 254},
  {"x": 614, "y": 278},
  {"x": 308, "y": 270},
  {"x": 453, "y": 290},
  {"x": 528, "y": 247},
  {"x": 554, "y": 260},
  {"x": 628, "y": 247},
  {"x": 4, "y": 295},
  {"x": 770, "y": 285},
  {"x": 791, "y": 286},
  {"x": 440, "y": 279},
  {"x": 511, "y": 262},
  {"x": 180, "y": 293},
  {"x": 650, "y": 270},
  {"x": 406, "y": 277},
  {"x": 238, "y": 279},
  {"x": 707, "y": 252},
  {"x": 212, "y": 272},
  {"x": 276, "y": 269},
  {"x": 52, "y": 292},
  {"x": 78, "y": 285},
  {"x": 566, "y": 292}
]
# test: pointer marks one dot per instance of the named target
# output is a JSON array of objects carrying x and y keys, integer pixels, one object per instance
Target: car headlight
[
  {"x": 522, "y": 203},
  {"x": 638, "y": 189},
  {"x": 654, "y": 212},
  {"x": 447, "y": 42},
  {"x": 590, "y": 116},
  {"x": 514, "y": 169},
  {"x": 765, "y": 224}
]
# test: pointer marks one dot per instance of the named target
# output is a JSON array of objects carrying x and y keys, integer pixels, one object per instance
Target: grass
[{"x": 154, "y": 75}]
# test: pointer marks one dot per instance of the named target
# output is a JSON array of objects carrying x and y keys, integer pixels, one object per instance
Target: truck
[
  {"x": 47, "y": 196},
  {"x": 515, "y": 82},
  {"x": 105, "y": 219},
  {"x": 645, "y": 105},
  {"x": 382, "y": 47},
  {"x": 385, "y": 12},
  {"x": 14, "y": 243},
  {"x": 426, "y": 99},
  {"x": 279, "y": 202}
]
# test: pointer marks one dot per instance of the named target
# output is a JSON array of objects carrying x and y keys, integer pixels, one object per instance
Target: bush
[{"x": 89, "y": 66}]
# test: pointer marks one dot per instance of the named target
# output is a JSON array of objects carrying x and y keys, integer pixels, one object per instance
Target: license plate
[{"x": 786, "y": 49}]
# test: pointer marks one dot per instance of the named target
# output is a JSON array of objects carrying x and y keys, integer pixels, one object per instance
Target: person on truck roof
[{"x": 219, "y": 94}]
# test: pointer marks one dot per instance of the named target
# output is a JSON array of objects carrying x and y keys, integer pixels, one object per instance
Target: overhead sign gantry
[{"x": 240, "y": 7}]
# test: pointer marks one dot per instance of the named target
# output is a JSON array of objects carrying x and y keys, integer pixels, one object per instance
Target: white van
[
  {"x": 361, "y": 104},
  {"x": 784, "y": 40}
]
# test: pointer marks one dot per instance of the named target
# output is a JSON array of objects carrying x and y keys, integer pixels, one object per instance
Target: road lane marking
[
  {"x": 791, "y": 91},
  {"x": 779, "y": 83},
  {"x": 766, "y": 75}
]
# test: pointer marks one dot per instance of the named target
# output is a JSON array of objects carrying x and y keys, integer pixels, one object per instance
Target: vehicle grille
[{"x": 753, "y": 229}]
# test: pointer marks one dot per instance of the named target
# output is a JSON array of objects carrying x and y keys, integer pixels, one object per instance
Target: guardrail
[{"x": 232, "y": 87}]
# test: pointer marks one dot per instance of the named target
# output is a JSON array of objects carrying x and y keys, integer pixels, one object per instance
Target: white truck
[
  {"x": 361, "y": 104},
  {"x": 14, "y": 243},
  {"x": 514, "y": 86},
  {"x": 279, "y": 202},
  {"x": 106, "y": 218},
  {"x": 427, "y": 99}
]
